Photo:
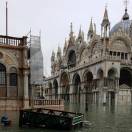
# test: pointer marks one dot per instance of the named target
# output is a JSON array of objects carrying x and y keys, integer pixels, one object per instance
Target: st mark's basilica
[{"x": 94, "y": 70}]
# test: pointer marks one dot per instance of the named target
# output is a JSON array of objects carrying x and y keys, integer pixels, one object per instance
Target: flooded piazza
[{"x": 101, "y": 118}]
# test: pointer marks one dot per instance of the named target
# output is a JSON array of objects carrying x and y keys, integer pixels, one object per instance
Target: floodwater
[{"x": 102, "y": 119}]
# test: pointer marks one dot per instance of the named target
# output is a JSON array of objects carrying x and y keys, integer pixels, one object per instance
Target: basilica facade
[{"x": 96, "y": 70}]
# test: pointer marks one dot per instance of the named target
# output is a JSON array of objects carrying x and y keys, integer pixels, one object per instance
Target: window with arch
[
  {"x": 13, "y": 76},
  {"x": 2, "y": 74}
]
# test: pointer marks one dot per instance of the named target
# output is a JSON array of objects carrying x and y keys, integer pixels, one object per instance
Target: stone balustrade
[
  {"x": 14, "y": 41},
  {"x": 44, "y": 103},
  {"x": 101, "y": 58},
  {"x": 117, "y": 58}
]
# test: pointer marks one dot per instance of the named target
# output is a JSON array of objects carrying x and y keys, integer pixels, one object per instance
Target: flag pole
[{"x": 6, "y": 19}]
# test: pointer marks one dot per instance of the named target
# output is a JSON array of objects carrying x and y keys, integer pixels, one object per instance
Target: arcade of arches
[{"x": 87, "y": 89}]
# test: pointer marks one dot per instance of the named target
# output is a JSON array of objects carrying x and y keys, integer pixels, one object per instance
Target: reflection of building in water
[{"x": 98, "y": 70}]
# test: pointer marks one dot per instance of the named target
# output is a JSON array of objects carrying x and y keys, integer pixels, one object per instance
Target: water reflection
[
  {"x": 102, "y": 119},
  {"x": 105, "y": 118}
]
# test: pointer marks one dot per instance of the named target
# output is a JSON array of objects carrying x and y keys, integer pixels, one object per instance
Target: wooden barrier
[{"x": 48, "y": 118}]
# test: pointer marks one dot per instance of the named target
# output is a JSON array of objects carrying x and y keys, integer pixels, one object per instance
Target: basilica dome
[{"x": 124, "y": 24}]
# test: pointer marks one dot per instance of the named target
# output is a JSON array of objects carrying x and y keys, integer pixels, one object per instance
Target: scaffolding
[{"x": 36, "y": 61}]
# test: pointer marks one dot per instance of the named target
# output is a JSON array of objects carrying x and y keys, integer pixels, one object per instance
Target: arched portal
[
  {"x": 100, "y": 74},
  {"x": 112, "y": 73},
  {"x": 64, "y": 84},
  {"x": 111, "y": 83},
  {"x": 76, "y": 88},
  {"x": 55, "y": 86},
  {"x": 98, "y": 84},
  {"x": 100, "y": 78},
  {"x": 88, "y": 81},
  {"x": 125, "y": 77},
  {"x": 125, "y": 85},
  {"x": 71, "y": 59}
]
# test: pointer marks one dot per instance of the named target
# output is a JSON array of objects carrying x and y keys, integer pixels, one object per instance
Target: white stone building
[{"x": 96, "y": 70}]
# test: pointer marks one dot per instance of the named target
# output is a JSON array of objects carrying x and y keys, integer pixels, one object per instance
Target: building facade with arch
[
  {"x": 95, "y": 70},
  {"x": 14, "y": 73}
]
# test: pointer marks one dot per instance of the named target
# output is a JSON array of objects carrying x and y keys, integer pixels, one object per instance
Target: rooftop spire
[
  {"x": 53, "y": 53},
  {"x": 126, "y": 15},
  {"x": 65, "y": 43},
  {"x": 91, "y": 26},
  {"x": 71, "y": 29},
  {"x": 105, "y": 18},
  {"x": 126, "y": 3},
  {"x": 80, "y": 32},
  {"x": 71, "y": 36},
  {"x": 106, "y": 14},
  {"x": 59, "y": 49},
  {"x": 80, "y": 35},
  {"x": 65, "y": 46},
  {"x": 105, "y": 25},
  {"x": 94, "y": 28},
  {"x": 90, "y": 31}
]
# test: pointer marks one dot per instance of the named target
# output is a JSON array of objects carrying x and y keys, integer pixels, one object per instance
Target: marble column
[
  {"x": 94, "y": 97},
  {"x": 20, "y": 85},
  {"x": 59, "y": 92},
  {"x": 117, "y": 84},
  {"x": 71, "y": 93},
  {"x": 104, "y": 97},
  {"x": 8, "y": 85},
  {"x": 26, "y": 95},
  {"x": 109, "y": 95}
]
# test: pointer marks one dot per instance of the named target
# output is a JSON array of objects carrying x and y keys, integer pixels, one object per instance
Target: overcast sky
[{"x": 53, "y": 18}]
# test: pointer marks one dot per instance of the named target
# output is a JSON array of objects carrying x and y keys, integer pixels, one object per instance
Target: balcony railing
[
  {"x": 101, "y": 58},
  {"x": 8, "y": 40},
  {"x": 117, "y": 58}
]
